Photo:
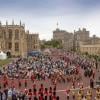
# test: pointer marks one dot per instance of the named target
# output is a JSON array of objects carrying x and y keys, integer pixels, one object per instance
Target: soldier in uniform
[
  {"x": 98, "y": 92},
  {"x": 79, "y": 95},
  {"x": 73, "y": 93},
  {"x": 89, "y": 94},
  {"x": 67, "y": 93}
]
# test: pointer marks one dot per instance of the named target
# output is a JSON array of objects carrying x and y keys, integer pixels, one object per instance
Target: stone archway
[{"x": 8, "y": 54}]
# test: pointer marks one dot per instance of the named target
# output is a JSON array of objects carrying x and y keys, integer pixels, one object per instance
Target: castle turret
[
  {"x": 6, "y": 22},
  {"x": 20, "y": 23},
  {"x": 12, "y": 22},
  {"x": 0, "y": 23}
]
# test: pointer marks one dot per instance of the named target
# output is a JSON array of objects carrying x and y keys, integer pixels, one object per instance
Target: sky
[{"x": 41, "y": 16}]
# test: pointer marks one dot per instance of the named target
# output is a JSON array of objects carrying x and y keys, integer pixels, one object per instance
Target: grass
[{"x": 5, "y": 62}]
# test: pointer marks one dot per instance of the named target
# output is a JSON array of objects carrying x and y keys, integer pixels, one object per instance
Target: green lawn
[{"x": 4, "y": 62}]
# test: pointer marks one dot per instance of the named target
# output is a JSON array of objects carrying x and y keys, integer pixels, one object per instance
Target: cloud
[{"x": 42, "y": 15}]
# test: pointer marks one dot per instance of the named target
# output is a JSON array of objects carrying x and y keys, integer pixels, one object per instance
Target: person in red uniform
[
  {"x": 34, "y": 86},
  {"x": 42, "y": 88},
  {"x": 46, "y": 94},
  {"x": 57, "y": 98},
  {"x": 30, "y": 94},
  {"x": 35, "y": 92},
  {"x": 26, "y": 91},
  {"x": 54, "y": 96},
  {"x": 5, "y": 81},
  {"x": 35, "y": 98},
  {"x": 50, "y": 93},
  {"x": 67, "y": 93},
  {"x": 25, "y": 83},
  {"x": 39, "y": 93},
  {"x": 32, "y": 78},
  {"x": 19, "y": 84},
  {"x": 54, "y": 89},
  {"x": 41, "y": 97}
]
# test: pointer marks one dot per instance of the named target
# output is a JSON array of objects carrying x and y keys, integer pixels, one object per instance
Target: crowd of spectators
[{"x": 58, "y": 67}]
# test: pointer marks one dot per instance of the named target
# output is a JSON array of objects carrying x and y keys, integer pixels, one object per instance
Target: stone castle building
[
  {"x": 65, "y": 38},
  {"x": 80, "y": 36},
  {"x": 14, "y": 40},
  {"x": 32, "y": 42},
  {"x": 88, "y": 44},
  {"x": 79, "y": 41},
  {"x": 92, "y": 46}
]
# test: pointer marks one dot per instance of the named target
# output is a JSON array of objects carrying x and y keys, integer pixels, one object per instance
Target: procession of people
[{"x": 43, "y": 77}]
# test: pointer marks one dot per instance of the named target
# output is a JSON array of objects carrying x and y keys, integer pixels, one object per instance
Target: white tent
[{"x": 3, "y": 56}]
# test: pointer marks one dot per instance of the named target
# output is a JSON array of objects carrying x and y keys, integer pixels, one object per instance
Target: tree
[{"x": 52, "y": 44}]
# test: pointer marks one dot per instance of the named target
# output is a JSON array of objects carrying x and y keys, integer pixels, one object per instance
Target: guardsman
[
  {"x": 42, "y": 88},
  {"x": 67, "y": 93},
  {"x": 30, "y": 94},
  {"x": 89, "y": 94},
  {"x": 25, "y": 83},
  {"x": 45, "y": 94},
  {"x": 97, "y": 98},
  {"x": 79, "y": 95},
  {"x": 19, "y": 84},
  {"x": 98, "y": 92},
  {"x": 54, "y": 96},
  {"x": 25, "y": 91},
  {"x": 39, "y": 93},
  {"x": 50, "y": 93},
  {"x": 81, "y": 89},
  {"x": 34, "y": 86},
  {"x": 73, "y": 92},
  {"x": 35, "y": 92}
]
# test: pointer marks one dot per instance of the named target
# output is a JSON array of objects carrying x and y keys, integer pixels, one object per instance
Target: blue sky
[{"x": 41, "y": 16}]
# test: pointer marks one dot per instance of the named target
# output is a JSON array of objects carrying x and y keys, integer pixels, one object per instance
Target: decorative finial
[
  {"x": 0, "y": 23},
  {"x": 57, "y": 25},
  {"x": 79, "y": 29},
  {"x": 24, "y": 25},
  {"x": 6, "y": 22},
  {"x": 12, "y": 22},
  {"x": 20, "y": 23}
]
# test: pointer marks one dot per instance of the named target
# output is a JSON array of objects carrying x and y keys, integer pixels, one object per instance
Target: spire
[
  {"x": 20, "y": 23},
  {"x": 57, "y": 25},
  {"x": 12, "y": 22},
  {"x": 24, "y": 25},
  {"x": 0, "y": 23},
  {"x": 6, "y": 22},
  {"x": 57, "y": 29}
]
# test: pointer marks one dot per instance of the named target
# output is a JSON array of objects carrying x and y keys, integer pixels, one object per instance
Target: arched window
[
  {"x": 10, "y": 34},
  {"x": 9, "y": 45},
  {"x": 16, "y": 34},
  {"x": 16, "y": 46}
]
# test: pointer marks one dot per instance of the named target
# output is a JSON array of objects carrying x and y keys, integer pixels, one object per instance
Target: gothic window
[
  {"x": 16, "y": 34},
  {"x": 9, "y": 45},
  {"x": 10, "y": 34},
  {"x": 0, "y": 35},
  {"x": 16, "y": 46},
  {"x": 4, "y": 33},
  {"x": 34, "y": 47}
]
